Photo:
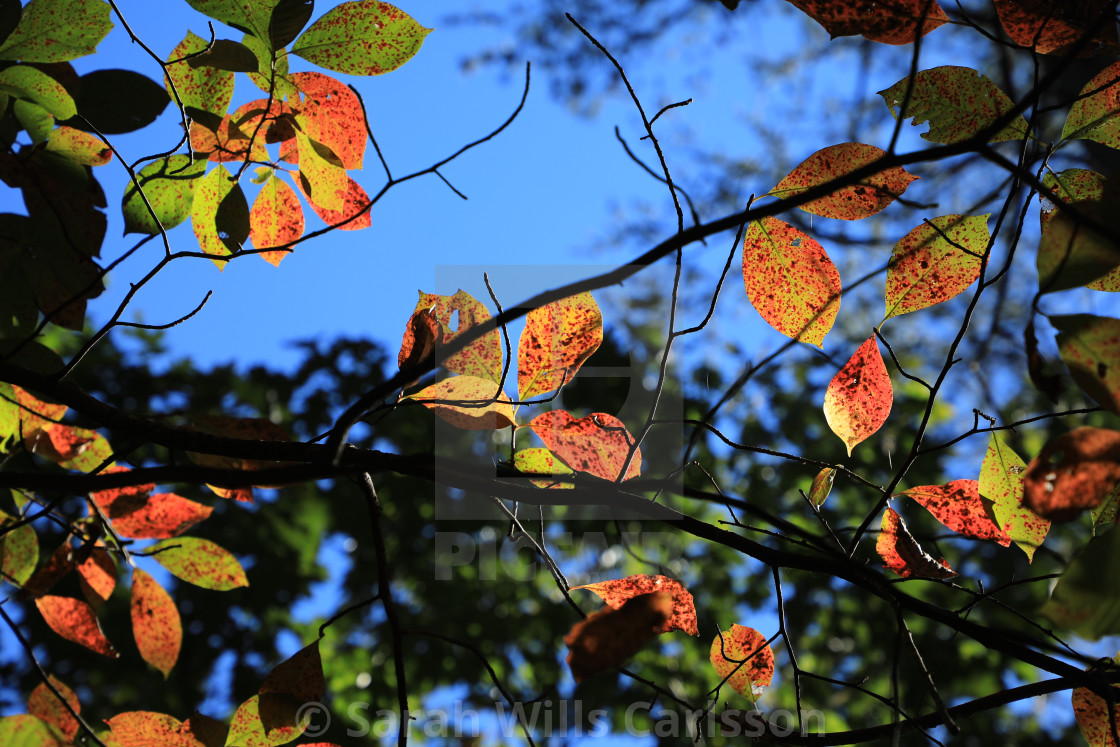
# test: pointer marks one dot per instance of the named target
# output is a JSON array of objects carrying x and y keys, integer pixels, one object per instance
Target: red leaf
[
  {"x": 155, "y": 623},
  {"x": 45, "y": 704},
  {"x": 98, "y": 576},
  {"x": 790, "y": 280},
  {"x": 121, "y": 501},
  {"x": 598, "y": 443},
  {"x": 74, "y": 620},
  {"x": 276, "y": 219},
  {"x": 145, "y": 729},
  {"x": 354, "y": 213},
  {"x": 557, "y": 339},
  {"x": 744, "y": 658},
  {"x": 1051, "y": 27},
  {"x": 859, "y": 398},
  {"x": 60, "y": 563},
  {"x": 935, "y": 262},
  {"x": 229, "y": 143},
  {"x": 958, "y": 506},
  {"x": 902, "y": 554},
  {"x": 421, "y": 336},
  {"x": 886, "y": 21},
  {"x": 616, "y": 592},
  {"x": 331, "y": 114},
  {"x": 1074, "y": 472},
  {"x": 847, "y": 203},
  {"x": 161, "y": 515},
  {"x": 607, "y": 638}
]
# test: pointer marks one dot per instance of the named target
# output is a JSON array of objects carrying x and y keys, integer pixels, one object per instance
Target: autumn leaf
[
  {"x": 421, "y": 336},
  {"x": 19, "y": 551},
  {"x": 1075, "y": 186},
  {"x": 958, "y": 506},
  {"x": 902, "y": 554},
  {"x": 80, "y": 147},
  {"x": 555, "y": 342},
  {"x": 855, "y": 201},
  {"x": 365, "y": 37},
  {"x": 468, "y": 402},
  {"x": 1052, "y": 28},
  {"x": 616, "y": 592},
  {"x": 97, "y": 577},
  {"x": 204, "y": 89},
  {"x": 483, "y": 357},
  {"x": 74, "y": 620},
  {"x": 1074, "y": 472},
  {"x": 607, "y": 638},
  {"x": 331, "y": 115},
  {"x": 542, "y": 462},
  {"x": 598, "y": 443},
  {"x": 57, "y": 30},
  {"x": 276, "y": 219},
  {"x": 220, "y": 215},
  {"x": 300, "y": 676},
  {"x": 69, "y": 447},
  {"x": 1001, "y": 482},
  {"x": 155, "y": 623},
  {"x": 1093, "y": 714},
  {"x": 322, "y": 179},
  {"x": 1073, "y": 253},
  {"x": 790, "y": 280},
  {"x": 353, "y": 215},
  {"x": 166, "y": 186},
  {"x": 958, "y": 103},
  {"x": 885, "y": 21},
  {"x": 859, "y": 398},
  {"x": 822, "y": 485},
  {"x": 1090, "y": 348},
  {"x": 935, "y": 262},
  {"x": 250, "y": 725},
  {"x": 743, "y": 658},
  {"x": 200, "y": 562},
  {"x": 60, "y": 563},
  {"x": 1095, "y": 114},
  {"x": 45, "y": 704},
  {"x": 1084, "y": 600},
  {"x": 145, "y": 728}
]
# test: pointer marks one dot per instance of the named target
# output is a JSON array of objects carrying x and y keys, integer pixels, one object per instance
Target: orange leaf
[
  {"x": 98, "y": 576},
  {"x": 616, "y": 592},
  {"x": 45, "y": 704},
  {"x": 790, "y": 280},
  {"x": 859, "y": 398},
  {"x": 958, "y": 506},
  {"x": 331, "y": 114},
  {"x": 353, "y": 211},
  {"x": 229, "y": 143},
  {"x": 1092, "y": 714},
  {"x": 74, "y": 620},
  {"x": 1072, "y": 473},
  {"x": 902, "y": 554},
  {"x": 420, "y": 338},
  {"x": 847, "y": 203},
  {"x": 161, "y": 515},
  {"x": 155, "y": 623},
  {"x": 35, "y": 413},
  {"x": 607, "y": 638},
  {"x": 468, "y": 402},
  {"x": 598, "y": 443},
  {"x": 929, "y": 265},
  {"x": 276, "y": 218},
  {"x": 744, "y": 658},
  {"x": 1052, "y": 28},
  {"x": 60, "y": 563},
  {"x": 886, "y": 21},
  {"x": 145, "y": 728},
  {"x": 483, "y": 357},
  {"x": 557, "y": 339}
]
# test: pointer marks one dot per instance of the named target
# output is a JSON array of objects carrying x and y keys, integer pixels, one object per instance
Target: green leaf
[
  {"x": 19, "y": 551},
  {"x": 57, "y": 30},
  {"x": 213, "y": 189},
  {"x": 169, "y": 185},
  {"x": 35, "y": 119},
  {"x": 1095, "y": 114},
  {"x": 10, "y": 12},
  {"x": 1072, "y": 253},
  {"x": 1077, "y": 185},
  {"x": 31, "y": 84},
  {"x": 365, "y": 37},
  {"x": 200, "y": 562},
  {"x": 207, "y": 89},
  {"x": 1105, "y": 514},
  {"x": 1090, "y": 348},
  {"x": 935, "y": 262},
  {"x": 118, "y": 101},
  {"x": 251, "y": 16},
  {"x": 326, "y": 181},
  {"x": 1001, "y": 482},
  {"x": 822, "y": 485},
  {"x": 1085, "y": 599},
  {"x": 271, "y": 75},
  {"x": 232, "y": 219},
  {"x": 542, "y": 462},
  {"x": 958, "y": 103}
]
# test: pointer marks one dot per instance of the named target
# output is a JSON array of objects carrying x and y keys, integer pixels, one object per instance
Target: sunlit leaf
[
  {"x": 354, "y": 214},
  {"x": 617, "y": 591},
  {"x": 144, "y": 729},
  {"x": 200, "y": 562},
  {"x": 1001, "y": 482},
  {"x": 1050, "y": 27},
  {"x": 324, "y": 183},
  {"x": 59, "y": 565},
  {"x": 483, "y": 357},
  {"x": 1074, "y": 472},
  {"x": 1093, "y": 717},
  {"x": 744, "y": 658},
  {"x": 155, "y": 623},
  {"x": 557, "y": 339},
  {"x": 46, "y": 705},
  {"x": 19, "y": 551},
  {"x": 79, "y": 147},
  {"x": 251, "y": 727},
  {"x": 902, "y": 554},
  {"x": 57, "y": 30},
  {"x": 233, "y": 139},
  {"x": 276, "y": 219},
  {"x": 97, "y": 577},
  {"x": 936, "y": 261},
  {"x": 607, "y": 638},
  {"x": 213, "y": 189},
  {"x": 331, "y": 115},
  {"x": 366, "y": 37},
  {"x": 468, "y": 402},
  {"x": 26, "y": 730},
  {"x": 598, "y": 444},
  {"x": 958, "y": 103},
  {"x": 272, "y": 71},
  {"x": 886, "y": 21},
  {"x": 32, "y": 84},
  {"x": 958, "y": 506},
  {"x": 822, "y": 485},
  {"x": 1090, "y": 348},
  {"x": 1077, "y": 185},
  {"x": 35, "y": 119},
  {"x": 159, "y": 516},
  {"x": 542, "y": 462},
  {"x": 168, "y": 185},
  {"x": 790, "y": 280},
  {"x": 1095, "y": 114},
  {"x": 859, "y": 398},
  {"x": 206, "y": 89},
  {"x": 69, "y": 447},
  {"x": 244, "y": 15},
  {"x": 853, "y": 202},
  {"x": 74, "y": 620}
]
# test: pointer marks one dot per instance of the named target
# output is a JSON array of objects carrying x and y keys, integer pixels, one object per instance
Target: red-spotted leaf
[
  {"x": 598, "y": 444},
  {"x": 790, "y": 280},
  {"x": 46, "y": 705},
  {"x": 205, "y": 89},
  {"x": 300, "y": 676},
  {"x": 859, "y": 398},
  {"x": 483, "y": 357},
  {"x": 1073, "y": 252},
  {"x": 1097, "y": 718},
  {"x": 468, "y": 402},
  {"x": 161, "y": 516},
  {"x": 902, "y": 554},
  {"x": 322, "y": 178},
  {"x": 936, "y": 261},
  {"x": 885, "y": 21},
  {"x": 542, "y": 462},
  {"x": 556, "y": 341},
  {"x": 69, "y": 447},
  {"x": 35, "y": 413},
  {"x": 607, "y": 638},
  {"x": 365, "y": 37},
  {"x": 19, "y": 551},
  {"x": 1090, "y": 348},
  {"x": 232, "y": 139},
  {"x": 331, "y": 115},
  {"x": 200, "y": 562},
  {"x": 26, "y": 729},
  {"x": 212, "y": 193},
  {"x": 958, "y": 103},
  {"x": 1048, "y": 27},
  {"x": 262, "y": 722},
  {"x": 58, "y": 566},
  {"x": 250, "y": 429},
  {"x": 165, "y": 194},
  {"x": 276, "y": 219},
  {"x": 853, "y": 202},
  {"x": 1077, "y": 185},
  {"x": 155, "y": 623},
  {"x": 74, "y": 620},
  {"x": 97, "y": 577},
  {"x": 57, "y": 31},
  {"x": 122, "y": 501},
  {"x": 1001, "y": 482},
  {"x": 80, "y": 147},
  {"x": 959, "y": 507},
  {"x": 822, "y": 485},
  {"x": 1095, "y": 114},
  {"x": 617, "y": 591},
  {"x": 743, "y": 658},
  {"x": 145, "y": 729},
  {"x": 354, "y": 213},
  {"x": 1074, "y": 472}
]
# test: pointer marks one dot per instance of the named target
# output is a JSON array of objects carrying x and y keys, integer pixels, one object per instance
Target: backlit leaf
[
  {"x": 46, "y": 705},
  {"x": 468, "y": 402},
  {"x": 859, "y": 398},
  {"x": 272, "y": 71},
  {"x": 1097, "y": 718},
  {"x": 1074, "y": 472},
  {"x": 354, "y": 214},
  {"x": 744, "y": 658},
  {"x": 159, "y": 516},
  {"x": 607, "y": 638},
  {"x": 245, "y": 15},
  {"x": 276, "y": 218},
  {"x": 57, "y": 30},
  {"x": 542, "y": 461},
  {"x": 26, "y": 730},
  {"x": 324, "y": 183},
  {"x": 19, "y": 551},
  {"x": 1108, "y": 510},
  {"x": 212, "y": 191},
  {"x": 200, "y": 562},
  {"x": 97, "y": 576},
  {"x": 421, "y": 335},
  {"x": 10, "y": 12},
  {"x": 1048, "y": 27},
  {"x": 231, "y": 141},
  {"x": 79, "y": 147},
  {"x": 483, "y": 357},
  {"x": 557, "y": 339},
  {"x": 1077, "y": 185},
  {"x": 847, "y": 203},
  {"x": 155, "y": 623},
  {"x": 206, "y": 89},
  {"x": 617, "y": 591},
  {"x": 145, "y": 729},
  {"x": 60, "y": 563},
  {"x": 959, "y": 507},
  {"x": 169, "y": 185},
  {"x": 936, "y": 261},
  {"x": 74, "y": 620},
  {"x": 902, "y": 554},
  {"x": 822, "y": 485},
  {"x": 1001, "y": 482},
  {"x": 958, "y": 103},
  {"x": 366, "y": 37},
  {"x": 35, "y": 119},
  {"x": 1090, "y": 348},
  {"x": 32, "y": 84},
  {"x": 69, "y": 447},
  {"x": 1095, "y": 114},
  {"x": 331, "y": 115},
  {"x": 790, "y": 280},
  {"x": 886, "y": 21},
  {"x": 598, "y": 444},
  {"x": 251, "y": 727}
]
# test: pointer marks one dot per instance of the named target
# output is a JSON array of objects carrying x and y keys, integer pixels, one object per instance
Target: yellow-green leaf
[
  {"x": 557, "y": 339},
  {"x": 169, "y": 185},
  {"x": 468, "y": 402},
  {"x": 1001, "y": 482},
  {"x": 200, "y": 562},
  {"x": 366, "y": 37},
  {"x": 57, "y": 30},
  {"x": 935, "y": 262}
]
